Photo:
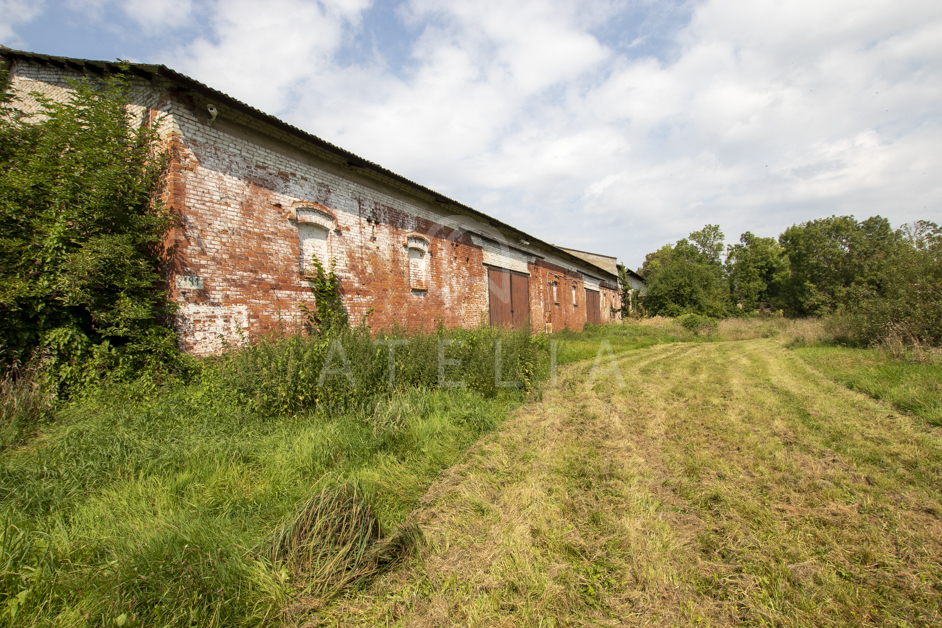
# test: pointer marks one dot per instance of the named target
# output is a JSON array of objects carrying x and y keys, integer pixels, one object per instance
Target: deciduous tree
[
  {"x": 835, "y": 262},
  {"x": 756, "y": 269},
  {"x": 688, "y": 277},
  {"x": 80, "y": 232}
]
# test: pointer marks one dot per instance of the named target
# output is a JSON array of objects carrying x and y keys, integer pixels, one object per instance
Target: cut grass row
[{"x": 727, "y": 483}]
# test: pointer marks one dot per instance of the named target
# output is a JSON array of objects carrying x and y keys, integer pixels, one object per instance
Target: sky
[{"x": 613, "y": 126}]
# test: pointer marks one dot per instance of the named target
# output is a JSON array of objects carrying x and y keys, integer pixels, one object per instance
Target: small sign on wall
[{"x": 189, "y": 282}]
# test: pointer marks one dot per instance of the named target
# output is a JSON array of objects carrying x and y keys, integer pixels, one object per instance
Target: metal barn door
[
  {"x": 509, "y": 296},
  {"x": 593, "y": 306}
]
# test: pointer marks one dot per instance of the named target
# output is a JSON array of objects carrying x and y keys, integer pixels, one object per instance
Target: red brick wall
[
  {"x": 236, "y": 195},
  {"x": 565, "y": 312},
  {"x": 235, "y": 189}
]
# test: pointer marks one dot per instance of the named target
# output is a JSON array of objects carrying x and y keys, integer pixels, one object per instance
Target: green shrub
[
  {"x": 328, "y": 315},
  {"x": 698, "y": 324},
  {"x": 81, "y": 238},
  {"x": 350, "y": 369},
  {"x": 685, "y": 286}
]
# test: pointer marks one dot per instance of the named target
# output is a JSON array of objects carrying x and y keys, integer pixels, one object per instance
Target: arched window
[
  {"x": 314, "y": 227},
  {"x": 418, "y": 248}
]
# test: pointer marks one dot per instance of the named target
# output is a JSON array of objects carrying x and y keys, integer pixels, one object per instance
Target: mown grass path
[{"x": 725, "y": 484}]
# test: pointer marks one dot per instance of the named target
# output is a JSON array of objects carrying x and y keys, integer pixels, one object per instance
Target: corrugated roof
[{"x": 150, "y": 72}]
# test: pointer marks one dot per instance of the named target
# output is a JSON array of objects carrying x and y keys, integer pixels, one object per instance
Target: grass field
[
  {"x": 197, "y": 504},
  {"x": 911, "y": 387},
  {"x": 667, "y": 478},
  {"x": 726, "y": 483}
]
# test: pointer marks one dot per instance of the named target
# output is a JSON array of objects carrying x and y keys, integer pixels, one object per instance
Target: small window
[
  {"x": 553, "y": 292},
  {"x": 418, "y": 263},
  {"x": 574, "y": 302}
]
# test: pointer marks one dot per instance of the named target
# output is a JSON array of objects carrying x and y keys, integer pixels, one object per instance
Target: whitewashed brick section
[
  {"x": 316, "y": 217},
  {"x": 502, "y": 256},
  {"x": 213, "y": 327},
  {"x": 506, "y": 258}
]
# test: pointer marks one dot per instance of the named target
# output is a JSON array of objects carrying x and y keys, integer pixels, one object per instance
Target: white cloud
[
  {"x": 770, "y": 115},
  {"x": 764, "y": 113},
  {"x": 16, "y": 12},
  {"x": 150, "y": 15},
  {"x": 155, "y": 15},
  {"x": 268, "y": 53},
  {"x": 534, "y": 44}
]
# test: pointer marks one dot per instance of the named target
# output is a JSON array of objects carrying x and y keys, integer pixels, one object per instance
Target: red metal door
[
  {"x": 499, "y": 291},
  {"x": 520, "y": 299},
  {"x": 593, "y": 306},
  {"x": 509, "y": 297}
]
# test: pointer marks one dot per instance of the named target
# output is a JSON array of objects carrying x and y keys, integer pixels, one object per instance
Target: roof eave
[{"x": 148, "y": 72}]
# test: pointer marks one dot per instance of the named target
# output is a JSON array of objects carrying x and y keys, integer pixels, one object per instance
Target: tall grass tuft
[
  {"x": 334, "y": 542},
  {"x": 25, "y": 403},
  {"x": 25, "y": 559}
]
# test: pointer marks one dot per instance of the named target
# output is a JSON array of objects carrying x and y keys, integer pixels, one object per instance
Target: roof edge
[{"x": 148, "y": 71}]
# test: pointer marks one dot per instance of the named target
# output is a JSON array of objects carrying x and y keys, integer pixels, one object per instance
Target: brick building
[{"x": 256, "y": 198}]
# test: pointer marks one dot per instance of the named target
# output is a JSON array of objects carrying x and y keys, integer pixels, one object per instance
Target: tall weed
[
  {"x": 350, "y": 369},
  {"x": 25, "y": 403}
]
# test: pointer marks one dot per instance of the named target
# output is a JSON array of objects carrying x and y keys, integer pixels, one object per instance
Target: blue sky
[{"x": 610, "y": 126}]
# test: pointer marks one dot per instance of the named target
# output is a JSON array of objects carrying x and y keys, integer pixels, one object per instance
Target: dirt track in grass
[{"x": 725, "y": 483}]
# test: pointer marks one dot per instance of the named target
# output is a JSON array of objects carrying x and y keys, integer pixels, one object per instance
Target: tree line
[{"x": 882, "y": 280}]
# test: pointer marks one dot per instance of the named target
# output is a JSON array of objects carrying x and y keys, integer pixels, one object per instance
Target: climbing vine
[{"x": 328, "y": 314}]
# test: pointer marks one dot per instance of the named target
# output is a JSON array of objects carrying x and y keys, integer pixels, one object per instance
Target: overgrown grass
[
  {"x": 910, "y": 386},
  {"x": 25, "y": 404},
  {"x": 352, "y": 369},
  {"x": 192, "y": 504},
  {"x": 574, "y": 346}
]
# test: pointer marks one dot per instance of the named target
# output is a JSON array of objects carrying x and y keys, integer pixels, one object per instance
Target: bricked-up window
[
  {"x": 314, "y": 243},
  {"x": 418, "y": 263},
  {"x": 314, "y": 227},
  {"x": 574, "y": 302},
  {"x": 554, "y": 292}
]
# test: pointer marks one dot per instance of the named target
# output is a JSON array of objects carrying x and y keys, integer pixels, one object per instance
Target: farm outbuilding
[{"x": 256, "y": 199}]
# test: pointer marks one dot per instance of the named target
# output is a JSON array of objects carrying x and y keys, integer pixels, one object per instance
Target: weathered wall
[
  {"x": 563, "y": 311},
  {"x": 246, "y": 196},
  {"x": 239, "y": 233}
]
